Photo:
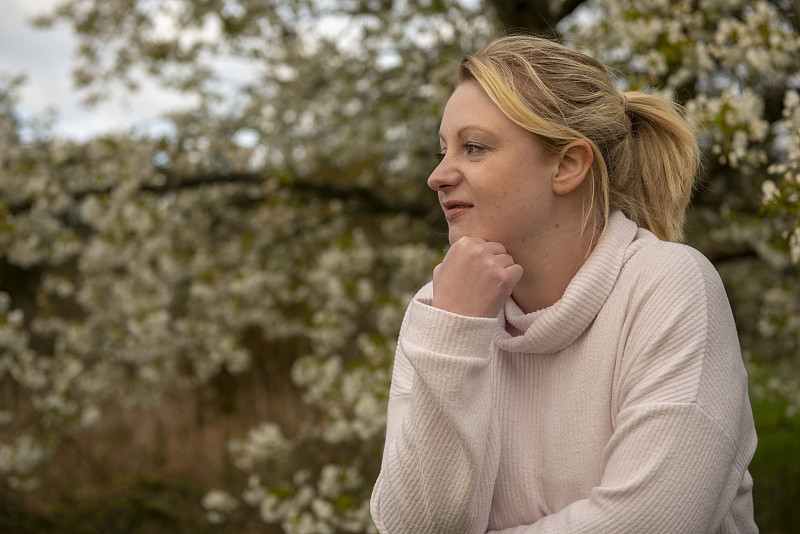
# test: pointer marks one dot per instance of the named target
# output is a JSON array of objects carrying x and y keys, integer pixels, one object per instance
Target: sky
[{"x": 45, "y": 56}]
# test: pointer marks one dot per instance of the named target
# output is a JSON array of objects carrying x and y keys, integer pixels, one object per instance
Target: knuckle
[{"x": 463, "y": 244}]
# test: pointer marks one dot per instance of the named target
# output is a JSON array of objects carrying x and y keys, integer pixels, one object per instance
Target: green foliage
[
  {"x": 775, "y": 468},
  {"x": 145, "y": 506},
  {"x": 15, "y": 518}
]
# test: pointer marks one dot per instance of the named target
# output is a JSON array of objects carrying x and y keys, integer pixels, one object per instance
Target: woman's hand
[{"x": 475, "y": 278}]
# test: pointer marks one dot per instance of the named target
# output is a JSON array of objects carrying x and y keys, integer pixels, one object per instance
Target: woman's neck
[{"x": 550, "y": 266}]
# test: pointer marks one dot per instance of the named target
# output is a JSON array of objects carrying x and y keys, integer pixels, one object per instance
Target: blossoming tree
[{"x": 284, "y": 219}]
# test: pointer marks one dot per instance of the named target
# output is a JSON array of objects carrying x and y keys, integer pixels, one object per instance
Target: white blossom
[{"x": 218, "y": 504}]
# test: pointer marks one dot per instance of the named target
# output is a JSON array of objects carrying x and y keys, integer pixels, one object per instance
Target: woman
[{"x": 569, "y": 369}]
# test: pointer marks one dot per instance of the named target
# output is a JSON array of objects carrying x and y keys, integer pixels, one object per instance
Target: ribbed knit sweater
[{"x": 623, "y": 407}]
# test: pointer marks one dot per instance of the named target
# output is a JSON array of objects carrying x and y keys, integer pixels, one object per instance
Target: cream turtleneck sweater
[{"x": 621, "y": 408}]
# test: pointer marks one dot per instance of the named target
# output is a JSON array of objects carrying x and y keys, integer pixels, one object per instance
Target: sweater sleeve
[
  {"x": 683, "y": 429},
  {"x": 440, "y": 458}
]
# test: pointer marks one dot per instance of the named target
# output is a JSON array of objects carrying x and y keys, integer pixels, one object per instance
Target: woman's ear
[{"x": 574, "y": 163}]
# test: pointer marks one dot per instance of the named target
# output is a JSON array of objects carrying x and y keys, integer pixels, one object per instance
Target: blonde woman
[{"x": 571, "y": 368}]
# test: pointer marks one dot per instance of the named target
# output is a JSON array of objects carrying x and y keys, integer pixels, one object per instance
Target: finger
[
  {"x": 516, "y": 271},
  {"x": 494, "y": 247},
  {"x": 502, "y": 260}
]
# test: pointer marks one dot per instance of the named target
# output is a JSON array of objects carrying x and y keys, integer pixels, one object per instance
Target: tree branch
[{"x": 362, "y": 199}]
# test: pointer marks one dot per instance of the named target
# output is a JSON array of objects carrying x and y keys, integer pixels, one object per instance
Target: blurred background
[{"x": 213, "y": 214}]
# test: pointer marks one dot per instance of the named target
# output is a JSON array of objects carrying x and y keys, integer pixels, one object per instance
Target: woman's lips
[{"x": 453, "y": 209}]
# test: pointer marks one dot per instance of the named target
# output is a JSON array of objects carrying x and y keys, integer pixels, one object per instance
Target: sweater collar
[{"x": 553, "y": 328}]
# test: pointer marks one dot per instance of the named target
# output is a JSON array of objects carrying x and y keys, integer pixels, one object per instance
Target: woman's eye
[{"x": 471, "y": 149}]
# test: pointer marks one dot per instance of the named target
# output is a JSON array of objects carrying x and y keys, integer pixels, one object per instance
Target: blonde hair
[{"x": 646, "y": 155}]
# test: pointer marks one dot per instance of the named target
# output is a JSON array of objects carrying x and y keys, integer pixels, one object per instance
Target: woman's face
[{"x": 495, "y": 179}]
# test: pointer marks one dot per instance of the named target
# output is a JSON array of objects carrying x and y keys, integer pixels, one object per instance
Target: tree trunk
[{"x": 535, "y": 16}]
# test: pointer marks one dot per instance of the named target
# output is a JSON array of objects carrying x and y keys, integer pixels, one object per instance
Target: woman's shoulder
[{"x": 650, "y": 260}]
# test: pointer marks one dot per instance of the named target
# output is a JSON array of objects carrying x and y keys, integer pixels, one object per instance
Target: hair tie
[{"x": 624, "y": 100}]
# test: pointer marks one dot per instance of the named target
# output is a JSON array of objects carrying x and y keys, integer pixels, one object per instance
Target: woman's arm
[
  {"x": 669, "y": 469},
  {"x": 441, "y": 454}
]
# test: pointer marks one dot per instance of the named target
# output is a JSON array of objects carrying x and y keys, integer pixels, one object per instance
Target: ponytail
[
  {"x": 645, "y": 152},
  {"x": 652, "y": 170}
]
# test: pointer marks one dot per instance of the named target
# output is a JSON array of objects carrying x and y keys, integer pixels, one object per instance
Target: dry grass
[{"x": 146, "y": 469}]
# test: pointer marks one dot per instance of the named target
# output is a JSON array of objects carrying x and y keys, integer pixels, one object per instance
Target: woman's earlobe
[{"x": 574, "y": 163}]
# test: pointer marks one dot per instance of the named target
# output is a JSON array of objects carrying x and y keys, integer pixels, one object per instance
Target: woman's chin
[{"x": 454, "y": 236}]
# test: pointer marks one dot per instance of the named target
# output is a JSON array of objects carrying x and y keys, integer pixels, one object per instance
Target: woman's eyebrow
[
  {"x": 467, "y": 130},
  {"x": 471, "y": 129}
]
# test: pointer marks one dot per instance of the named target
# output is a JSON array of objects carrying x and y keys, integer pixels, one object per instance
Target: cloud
[{"x": 46, "y": 56}]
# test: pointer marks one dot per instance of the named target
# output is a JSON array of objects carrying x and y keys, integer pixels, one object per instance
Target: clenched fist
[{"x": 475, "y": 278}]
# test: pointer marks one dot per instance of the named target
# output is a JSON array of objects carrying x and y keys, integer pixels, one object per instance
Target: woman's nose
[{"x": 444, "y": 175}]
